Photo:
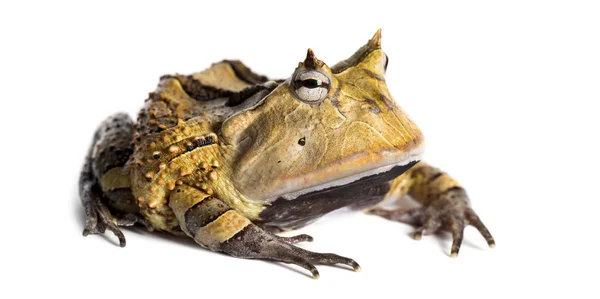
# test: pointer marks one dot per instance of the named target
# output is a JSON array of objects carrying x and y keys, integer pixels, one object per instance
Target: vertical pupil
[{"x": 310, "y": 83}]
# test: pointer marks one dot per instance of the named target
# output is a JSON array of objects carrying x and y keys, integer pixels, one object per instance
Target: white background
[{"x": 506, "y": 93}]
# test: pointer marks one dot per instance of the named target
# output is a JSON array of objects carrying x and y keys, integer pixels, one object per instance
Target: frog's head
[{"x": 322, "y": 127}]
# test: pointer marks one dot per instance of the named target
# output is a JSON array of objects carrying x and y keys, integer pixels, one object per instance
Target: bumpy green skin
[{"x": 212, "y": 156}]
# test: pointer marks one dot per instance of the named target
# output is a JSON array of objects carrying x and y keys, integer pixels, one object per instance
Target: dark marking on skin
[
  {"x": 121, "y": 200},
  {"x": 239, "y": 97},
  {"x": 298, "y": 212},
  {"x": 112, "y": 144},
  {"x": 387, "y": 60},
  {"x": 373, "y": 75},
  {"x": 374, "y": 107},
  {"x": 204, "y": 213},
  {"x": 334, "y": 100},
  {"x": 204, "y": 141},
  {"x": 435, "y": 176},
  {"x": 453, "y": 189},
  {"x": 111, "y": 158},
  {"x": 243, "y": 235},
  {"x": 388, "y": 102},
  {"x": 198, "y": 91},
  {"x": 244, "y": 73}
]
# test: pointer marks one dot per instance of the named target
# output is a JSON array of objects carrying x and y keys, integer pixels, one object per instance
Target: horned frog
[{"x": 229, "y": 158}]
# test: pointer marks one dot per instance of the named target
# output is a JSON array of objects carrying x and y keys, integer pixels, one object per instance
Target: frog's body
[{"x": 226, "y": 157}]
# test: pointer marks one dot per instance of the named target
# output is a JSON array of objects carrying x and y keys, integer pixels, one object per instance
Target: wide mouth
[{"x": 384, "y": 166}]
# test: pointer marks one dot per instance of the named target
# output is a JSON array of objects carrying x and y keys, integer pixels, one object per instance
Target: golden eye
[{"x": 311, "y": 86}]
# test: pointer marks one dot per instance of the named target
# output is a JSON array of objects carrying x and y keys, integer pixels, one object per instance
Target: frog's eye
[{"x": 311, "y": 86}]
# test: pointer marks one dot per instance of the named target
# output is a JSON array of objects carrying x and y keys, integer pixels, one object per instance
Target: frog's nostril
[{"x": 302, "y": 141}]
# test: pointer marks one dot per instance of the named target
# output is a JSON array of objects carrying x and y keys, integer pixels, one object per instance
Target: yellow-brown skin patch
[
  {"x": 221, "y": 229},
  {"x": 423, "y": 183},
  {"x": 114, "y": 179}
]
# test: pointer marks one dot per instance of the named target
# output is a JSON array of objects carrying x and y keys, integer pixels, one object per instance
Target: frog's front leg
[
  {"x": 213, "y": 224},
  {"x": 444, "y": 205}
]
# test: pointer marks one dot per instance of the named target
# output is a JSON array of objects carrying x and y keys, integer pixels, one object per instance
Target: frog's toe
[
  {"x": 98, "y": 219},
  {"x": 474, "y": 220},
  {"x": 256, "y": 243},
  {"x": 132, "y": 219},
  {"x": 93, "y": 226},
  {"x": 306, "y": 259},
  {"x": 297, "y": 239},
  {"x": 428, "y": 226},
  {"x": 456, "y": 223},
  {"x": 453, "y": 218},
  {"x": 408, "y": 216},
  {"x": 333, "y": 259},
  {"x": 450, "y": 212},
  {"x": 456, "y": 227}
]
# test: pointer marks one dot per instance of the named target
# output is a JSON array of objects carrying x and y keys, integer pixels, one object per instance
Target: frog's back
[{"x": 213, "y": 92}]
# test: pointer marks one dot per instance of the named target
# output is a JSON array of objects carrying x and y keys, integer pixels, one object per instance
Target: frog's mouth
[
  {"x": 296, "y": 209},
  {"x": 376, "y": 175}
]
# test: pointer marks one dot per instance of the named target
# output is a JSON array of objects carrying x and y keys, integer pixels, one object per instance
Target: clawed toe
[
  {"x": 101, "y": 219},
  {"x": 256, "y": 243},
  {"x": 452, "y": 216},
  {"x": 297, "y": 239},
  {"x": 333, "y": 259},
  {"x": 418, "y": 233},
  {"x": 408, "y": 216},
  {"x": 476, "y": 222},
  {"x": 307, "y": 259},
  {"x": 457, "y": 230}
]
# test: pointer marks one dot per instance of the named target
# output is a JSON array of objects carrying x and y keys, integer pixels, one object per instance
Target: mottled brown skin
[{"x": 227, "y": 157}]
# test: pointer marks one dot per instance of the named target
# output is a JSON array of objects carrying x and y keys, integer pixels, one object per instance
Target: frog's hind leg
[{"x": 104, "y": 187}]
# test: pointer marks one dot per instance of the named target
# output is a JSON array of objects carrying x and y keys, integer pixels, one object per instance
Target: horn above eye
[{"x": 310, "y": 86}]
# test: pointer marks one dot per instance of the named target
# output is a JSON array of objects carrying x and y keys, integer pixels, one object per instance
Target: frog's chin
[{"x": 384, "y": 173}]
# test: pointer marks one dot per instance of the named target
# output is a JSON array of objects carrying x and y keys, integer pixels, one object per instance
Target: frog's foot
[
  {"x": 98, "y": 218},
  {"x": 255, "y": 243},
  {"x": 450, "y": 211}
]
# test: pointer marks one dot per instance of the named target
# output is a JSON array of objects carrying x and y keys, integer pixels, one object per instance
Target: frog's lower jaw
[{"x": 295, "y": 212}]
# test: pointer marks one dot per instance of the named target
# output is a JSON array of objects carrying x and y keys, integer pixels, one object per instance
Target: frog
[{"x": 231, "y": 158}]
